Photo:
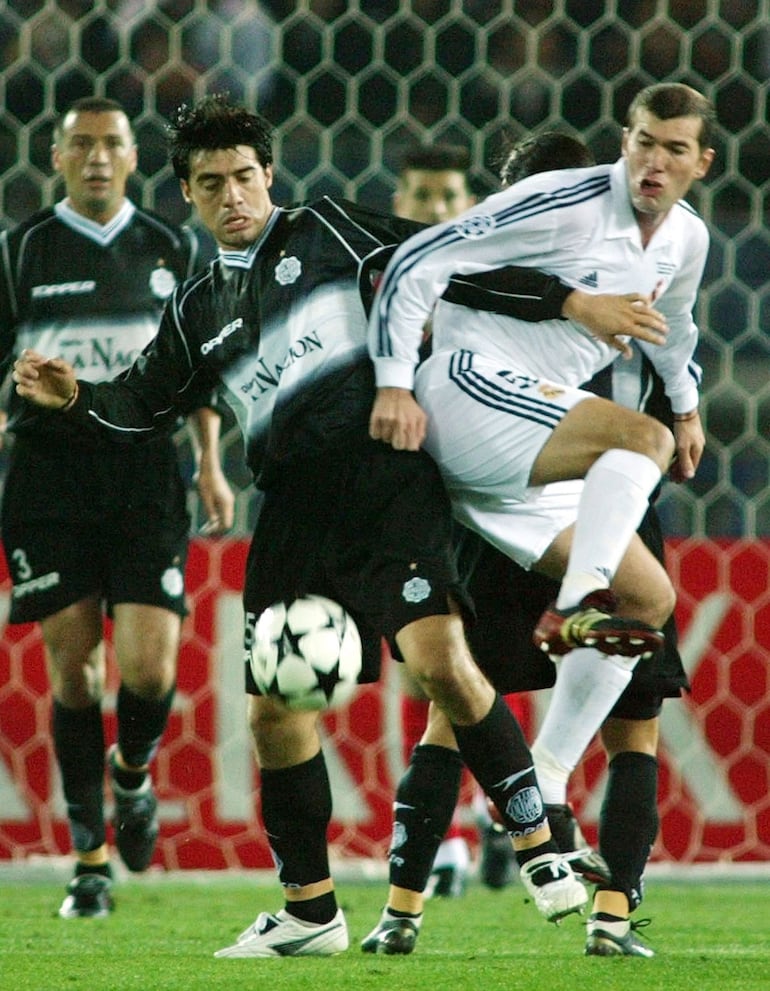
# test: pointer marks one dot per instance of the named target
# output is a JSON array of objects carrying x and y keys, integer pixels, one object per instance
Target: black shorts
[
  {"x": 508, "y": 603},
  {"x": 109, "y": 522},
  {"x": 369, "y": 528}
]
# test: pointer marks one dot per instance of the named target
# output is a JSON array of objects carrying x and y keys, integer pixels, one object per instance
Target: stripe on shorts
[{"x": 499, "y": 395}]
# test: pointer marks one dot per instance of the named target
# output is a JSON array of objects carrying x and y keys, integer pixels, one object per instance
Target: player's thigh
[
  {"x": 75, "y": 653},
  {"x": 146, "y": 641},
  {"x": 592, "y": 427}
]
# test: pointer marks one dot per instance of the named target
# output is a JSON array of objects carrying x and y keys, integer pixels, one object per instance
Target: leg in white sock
[
  {"x": 588, "y": 684},
  {"x": 614, "y": 499}
]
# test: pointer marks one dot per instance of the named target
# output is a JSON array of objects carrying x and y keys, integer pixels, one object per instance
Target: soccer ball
[{"x": 308, "y": 653}]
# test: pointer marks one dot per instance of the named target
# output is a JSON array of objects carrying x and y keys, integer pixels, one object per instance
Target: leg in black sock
[
  {"x": 78, "y": 736},
  {"x": 141, "y": 723},
  {"x": 498, "y": 756},
  {"x": 296, "y": 811},
  {"x": 628, "y": 823},
  {"x": 422, "y": 812}
]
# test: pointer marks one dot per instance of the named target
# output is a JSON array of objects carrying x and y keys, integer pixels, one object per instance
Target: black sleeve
[
  {"x": 148, "y": 398},
  {"x": 525, "y": 293}
]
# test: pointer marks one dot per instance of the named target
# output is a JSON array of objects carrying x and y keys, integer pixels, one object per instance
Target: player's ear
[
  {"x": 55, "y": 159},
  {"x": 706, "y": 158},
  {"x": 268, "y": 169},
  {"x": 183, "y": 185}
]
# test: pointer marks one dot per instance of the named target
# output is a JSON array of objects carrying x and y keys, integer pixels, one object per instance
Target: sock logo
[{"x": 525, "y": 806}]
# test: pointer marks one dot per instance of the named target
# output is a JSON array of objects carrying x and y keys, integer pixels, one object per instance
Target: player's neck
[
  {"x": 96, "y": 215},
  {"x": 648, "y": 223}
]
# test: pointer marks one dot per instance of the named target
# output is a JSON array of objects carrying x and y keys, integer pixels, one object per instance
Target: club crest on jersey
[
  {"x": 172, "y": 582},
  {"x": 549, "y": 390},
  {"x": 416, "y": 590},
  {"x": 288, "y": 270},
  {"x": 162, "y": 281},
  {"x": 472, "y": 228}
]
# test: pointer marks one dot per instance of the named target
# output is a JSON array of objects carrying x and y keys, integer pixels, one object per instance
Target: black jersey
[
  {"x": 282, "y": 326},
  {"x": 88, "y": 293}
]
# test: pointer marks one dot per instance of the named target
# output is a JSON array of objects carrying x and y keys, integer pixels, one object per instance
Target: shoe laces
[{"x": 559, "y": 867}]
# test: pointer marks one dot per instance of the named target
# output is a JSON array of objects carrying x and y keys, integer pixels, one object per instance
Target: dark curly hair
[
  {"x": 212, "y": 124},
  {"x": 542, "y": 153}
]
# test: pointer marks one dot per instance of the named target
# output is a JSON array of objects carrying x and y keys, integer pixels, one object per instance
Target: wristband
[
  {"x": 683, "y": 417},
  {"x": 72, "y": 399}
]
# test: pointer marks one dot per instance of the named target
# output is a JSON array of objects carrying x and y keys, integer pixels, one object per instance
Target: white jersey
[{"x": 577, "y": 224}]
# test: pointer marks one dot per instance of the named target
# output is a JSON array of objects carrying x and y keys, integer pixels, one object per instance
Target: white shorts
[
  {"x": 524, "y": 529},
  {"x": 486, "y": 426}
]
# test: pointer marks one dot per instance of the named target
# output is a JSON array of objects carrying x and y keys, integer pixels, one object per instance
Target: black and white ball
[{"x": 308, "y": 653}]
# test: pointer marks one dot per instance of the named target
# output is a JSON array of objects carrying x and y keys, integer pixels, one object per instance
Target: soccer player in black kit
[
  {"x": 278, "y": 321},
  {"x": 88, "y": 526}
]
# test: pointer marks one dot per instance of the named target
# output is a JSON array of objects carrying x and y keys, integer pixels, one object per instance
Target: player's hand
[
  {"x": 690, "y": 441},
  {"x": 397, "y": 419},
  {"x": 216, "y": 497},
  {"x": 612, "y": 318},
  {"x": 47, "y": 382}
]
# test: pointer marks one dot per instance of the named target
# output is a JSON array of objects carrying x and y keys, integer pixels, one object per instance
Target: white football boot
[
  {"x": 283, "y": 935},
  {"x": 553, "y": 886}
]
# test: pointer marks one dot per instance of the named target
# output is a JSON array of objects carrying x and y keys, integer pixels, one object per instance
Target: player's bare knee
[{"x": 654, "y": 439}]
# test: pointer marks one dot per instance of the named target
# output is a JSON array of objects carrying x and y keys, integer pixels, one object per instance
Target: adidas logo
[{"x": 591, "y": 280}]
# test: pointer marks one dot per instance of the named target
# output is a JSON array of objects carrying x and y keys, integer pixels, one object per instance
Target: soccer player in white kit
[{"x": 497, "y": 407}]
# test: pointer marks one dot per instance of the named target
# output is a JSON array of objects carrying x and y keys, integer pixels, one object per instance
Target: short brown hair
[{"x": 667, "y": 100}]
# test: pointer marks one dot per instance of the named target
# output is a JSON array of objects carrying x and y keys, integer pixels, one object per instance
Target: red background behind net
[{"x": 715, "y": 744}]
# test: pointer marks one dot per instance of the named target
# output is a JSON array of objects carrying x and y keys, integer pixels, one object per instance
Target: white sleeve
[
  {"x": 675, "y": 361},
  {"x": 494, "y": 233}
]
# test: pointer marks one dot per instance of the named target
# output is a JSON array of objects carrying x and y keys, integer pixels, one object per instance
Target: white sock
[
  {"x": 615, "y": 497},
  {"x": 588, "y": 684}
]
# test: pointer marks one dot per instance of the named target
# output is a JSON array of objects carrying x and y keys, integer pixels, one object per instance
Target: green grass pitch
[{"x": 711, "y": 936}]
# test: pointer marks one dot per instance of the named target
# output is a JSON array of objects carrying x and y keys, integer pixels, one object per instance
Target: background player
[
  {"x": 86, "y": 524},
  {"x": 433, "y": 184}
]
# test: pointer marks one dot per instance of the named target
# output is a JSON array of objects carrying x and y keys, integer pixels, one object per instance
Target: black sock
[
  {"x": 78, "y": 737},
  {"x": 104, "y": 869},
  {"x": 321, "y": 909},
  {"x": 141, "y": 723},
  {"x": 628, "y": 823},
  {"x": 296, "y": 811},
  {"x": 131, "y": 780},
  {"x": 422, "y": 812},
  {"x": 498, "y": 757},
  {"x": 402, "y": 915}
]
